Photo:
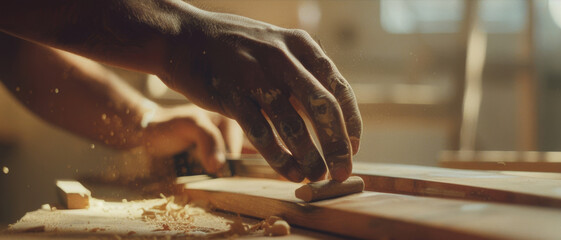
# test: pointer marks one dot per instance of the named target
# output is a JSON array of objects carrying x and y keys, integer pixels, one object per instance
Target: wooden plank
[
  {"x": 554, "y": 167},
  {"x": 126, "y": 220},
  {"x": 379, "y": 215},
  {"x": 502, "y": 160},
  {"x": 73, "y": 194},
  {"x": 460, "y": 184},
  {"x": 441, "y": 182}
]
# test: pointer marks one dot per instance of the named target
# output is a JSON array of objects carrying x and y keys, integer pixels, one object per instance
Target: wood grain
[
  {"x": 492, "y": 186},
  {"x": 379, "y": 215},
  {"x": 460, "y": 184},
  {"x": 502, "y": 160},
  {"x": 504, "y": 166}
]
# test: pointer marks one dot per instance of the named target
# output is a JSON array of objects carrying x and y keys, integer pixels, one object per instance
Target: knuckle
[
  {"x": 268, "y": 97},
  {"x": 259, "y": 134},
  {"x": 301, "y": 35},
  {"x": 321, "y": 104},
  {"x": 325, "y": 64},
  {"x": 291, "y": 128},
  {"x": 345, "y": 95},
  {"x": 339, "y": 87}
]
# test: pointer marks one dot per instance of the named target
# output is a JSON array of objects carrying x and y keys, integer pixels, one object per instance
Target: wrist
[{"x": 184, "y": 48}]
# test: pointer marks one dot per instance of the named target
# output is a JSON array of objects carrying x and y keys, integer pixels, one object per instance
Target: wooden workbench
[
  {"x": 128, "y": 220},
  {"x": 402, "y": 202}
]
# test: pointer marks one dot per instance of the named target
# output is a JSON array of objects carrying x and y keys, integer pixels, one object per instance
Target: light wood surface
[
  {"x": 494, "y": 186},
  {"x": 379, "y": 215},
  {"x": 460, "y": 184},
  {"x": 127, "y": 220}
]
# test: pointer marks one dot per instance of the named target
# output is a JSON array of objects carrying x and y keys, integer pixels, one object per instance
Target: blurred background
[{"x": 429, "y": 75}]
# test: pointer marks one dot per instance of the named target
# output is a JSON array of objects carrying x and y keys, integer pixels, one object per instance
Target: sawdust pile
[
  {"x": 164, "y": 218},
  {"x": 197, "y": 222},
  {"x": 184, "y": 219}
]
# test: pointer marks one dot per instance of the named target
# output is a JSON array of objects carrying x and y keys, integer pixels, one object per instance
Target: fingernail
[{"x": 295, "y": 175}]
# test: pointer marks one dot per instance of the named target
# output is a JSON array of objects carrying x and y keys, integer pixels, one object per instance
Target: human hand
[
  {"x": 254, "y": 72},
  {"x": 242, "y": 68},
  {"x": 173, "y": 130}
]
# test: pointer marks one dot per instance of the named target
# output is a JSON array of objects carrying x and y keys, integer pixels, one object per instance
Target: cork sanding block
[{"x": 329, "y": 189}]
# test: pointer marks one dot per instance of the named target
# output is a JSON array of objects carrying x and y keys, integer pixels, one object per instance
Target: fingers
[
  {"x": 314, "y": 59},
  {"x": 210, "y": 144},
  {"x": 320, "y": 105},
  {"x": 171, "y": 136},
  {"x": 292, "y": 130},
  {"x": 326, "y": 117},
  {"x": 261, "y": 135}
]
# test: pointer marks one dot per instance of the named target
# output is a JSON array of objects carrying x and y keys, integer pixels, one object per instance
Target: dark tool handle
[{"x": 186, "y": 164}]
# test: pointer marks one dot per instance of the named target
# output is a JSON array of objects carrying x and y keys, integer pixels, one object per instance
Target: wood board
[
  {"x": 125, "y": 220},
  {"x": 524, "y": 188},
  {"x": 379, "y": 215},
  {"x": 460, "y": 184},
  {"x": 502, "y": 160}
]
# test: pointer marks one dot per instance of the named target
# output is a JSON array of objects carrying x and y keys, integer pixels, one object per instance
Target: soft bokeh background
[{"x": 430, "y": 75}]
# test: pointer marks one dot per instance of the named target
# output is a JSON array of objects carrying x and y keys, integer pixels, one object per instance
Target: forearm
[
  {"x": 75, "y": 94},
  {"x": 126, "y": 33},
  {"x": 269, "y": 79}
]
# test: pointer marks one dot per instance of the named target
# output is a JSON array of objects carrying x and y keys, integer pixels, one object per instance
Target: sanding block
[{"x": 329, "y": 189}]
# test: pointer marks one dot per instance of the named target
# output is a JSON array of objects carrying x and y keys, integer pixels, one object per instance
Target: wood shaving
[
  {"x": 275, "y": 226},
  {"x": 184, "y": 219},
  {"x": 279, "y": 228},
  {"x": 147, "y": 219}
]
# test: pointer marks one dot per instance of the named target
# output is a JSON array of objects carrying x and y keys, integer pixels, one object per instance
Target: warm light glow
[{"x": 309, "y": 14}]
